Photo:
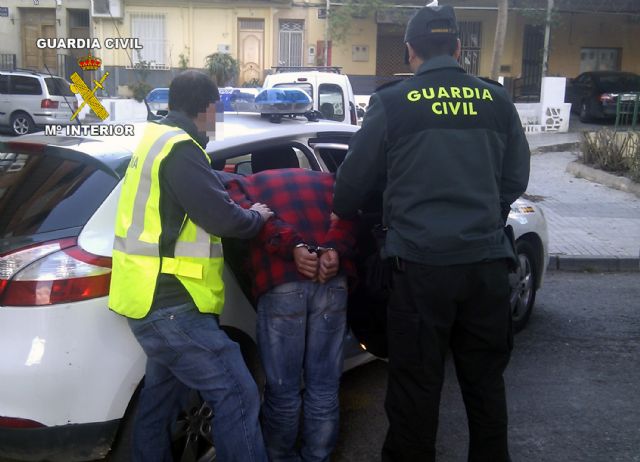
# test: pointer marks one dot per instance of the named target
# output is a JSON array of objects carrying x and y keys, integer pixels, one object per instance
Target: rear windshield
[
  {"x": 44, "y": 193},
  {"x": 58, "y": 87},
  {"x": 617, "y": 83}
]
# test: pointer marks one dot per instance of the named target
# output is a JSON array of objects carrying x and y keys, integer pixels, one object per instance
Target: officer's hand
[
  {"x": 264, "y": 211},
  {"x": 306, "y": 262},
  {"x": 329, "y": 265}
]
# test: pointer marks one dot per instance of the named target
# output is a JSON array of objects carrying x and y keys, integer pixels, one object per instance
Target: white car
[
  {"x": 30, "y": 99},
  {"x": 70, "y": 367}
]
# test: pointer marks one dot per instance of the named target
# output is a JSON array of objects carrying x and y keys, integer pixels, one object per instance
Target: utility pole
[
  {"x": 547, "y": 37},
  {"x": 326, "y": 33}
]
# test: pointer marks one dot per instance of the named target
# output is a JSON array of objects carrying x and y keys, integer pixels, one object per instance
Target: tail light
[
  {"x": 15, "y": 422},
  {"x": 607, "y": 98},
  {"x": 49, "y": 104},
  {"x": 51, "y": 273}
]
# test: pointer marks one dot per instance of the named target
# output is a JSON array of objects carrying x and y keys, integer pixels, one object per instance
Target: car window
[
  {"x": 267, "y": 159},
  {"x": 331, "y": 101},
  {"x": 44, "y": 193},
  {"x": 332, "y": 158},
  {"x": 58, "y": 86},
  {"x": 4, "y": 84},
  {"x": 23, "y": 85},
  {"x": 582, "y": 79}
]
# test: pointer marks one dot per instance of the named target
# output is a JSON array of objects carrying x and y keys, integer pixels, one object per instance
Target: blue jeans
[
  {"x": 301, "y": 330},
  {"x": 187, "y": 349}
]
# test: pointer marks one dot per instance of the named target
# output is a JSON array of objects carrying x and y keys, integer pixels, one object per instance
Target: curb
[
  {"x": 561, "y": 147},
  {"x": 580, "y": 170},
  {"x": 593, "y": 264}
]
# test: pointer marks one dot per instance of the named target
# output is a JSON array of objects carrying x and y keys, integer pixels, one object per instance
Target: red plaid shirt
[{"x": 302, "y": 202}]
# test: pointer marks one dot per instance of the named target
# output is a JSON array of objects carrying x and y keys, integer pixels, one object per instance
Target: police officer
[
  {"x": 167, "y": 278},
  {"x": 451, "y": 155}
]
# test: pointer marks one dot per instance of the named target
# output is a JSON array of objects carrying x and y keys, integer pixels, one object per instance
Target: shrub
[
  {"x": 609, "y": 149},
  {"x": 140, "y": 90},
  {"x": 222, "y": 67}
]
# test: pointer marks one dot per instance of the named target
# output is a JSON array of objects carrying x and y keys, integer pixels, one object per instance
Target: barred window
[
  {"x": 470, "y": 39},
  {"x": 150, "y": 28},
  {"x": 291, "y": 40}
]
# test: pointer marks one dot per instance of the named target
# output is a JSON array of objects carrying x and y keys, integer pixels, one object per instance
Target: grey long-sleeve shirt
[{"x": 189, "y": 186}]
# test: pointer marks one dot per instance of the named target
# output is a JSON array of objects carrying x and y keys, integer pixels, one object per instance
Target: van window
[
  {"x": 58, "y": 86},
  {"x": 302, "y": 86},
  {"x": 331, "y": 101},
  {"x": 23, "y": 85},
  {"x": 4, "y": 84}
]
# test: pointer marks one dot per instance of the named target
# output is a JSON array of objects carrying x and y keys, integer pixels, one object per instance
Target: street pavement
[{"x": 592, "y": 226}]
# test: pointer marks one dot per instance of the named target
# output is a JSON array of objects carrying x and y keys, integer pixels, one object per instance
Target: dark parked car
[{"x": 594, "y": 95}]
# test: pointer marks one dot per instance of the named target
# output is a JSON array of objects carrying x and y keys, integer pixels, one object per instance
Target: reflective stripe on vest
[{"x": 197, "y": 259}]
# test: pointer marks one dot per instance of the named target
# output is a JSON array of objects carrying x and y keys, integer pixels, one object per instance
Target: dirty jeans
[
  {"x": 301, "y": 330},
  {"x": 187, "y": 349}
]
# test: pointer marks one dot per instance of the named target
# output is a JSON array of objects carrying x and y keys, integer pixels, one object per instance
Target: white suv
[{"x": 29, "y": 100}]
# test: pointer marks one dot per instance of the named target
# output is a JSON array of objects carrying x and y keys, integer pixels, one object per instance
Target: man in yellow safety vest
[{"x": 167, "y": 278}]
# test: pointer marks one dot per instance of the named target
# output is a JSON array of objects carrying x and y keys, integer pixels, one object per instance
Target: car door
[{"x": 25, "y": 94}]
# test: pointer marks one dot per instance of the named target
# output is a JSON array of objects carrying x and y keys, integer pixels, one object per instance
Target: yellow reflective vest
[{"x": 197, "y": 261}]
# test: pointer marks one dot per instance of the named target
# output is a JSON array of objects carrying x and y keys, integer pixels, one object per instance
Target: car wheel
[
  {"x": 523, "y": 285},
  {"x": 584, "y": 112},
  {"x": 21, "y": 123},
  {"x": 191, "y": 438}
]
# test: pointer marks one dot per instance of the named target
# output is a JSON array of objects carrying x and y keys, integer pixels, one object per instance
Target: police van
[{"x": 329, "y": 89}]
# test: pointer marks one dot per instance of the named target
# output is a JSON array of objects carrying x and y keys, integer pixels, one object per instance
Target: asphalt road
[{"x": 572, "y": 382}]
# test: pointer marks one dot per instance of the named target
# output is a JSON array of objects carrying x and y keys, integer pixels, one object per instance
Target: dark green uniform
[
  {"x": 454, "y": 157},
  {"x": 450, "y": 154}
]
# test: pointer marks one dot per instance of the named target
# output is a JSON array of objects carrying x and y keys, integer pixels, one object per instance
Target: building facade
[
  {"x": 262, "y": 34},
  {"x": 22, "y": 23}
]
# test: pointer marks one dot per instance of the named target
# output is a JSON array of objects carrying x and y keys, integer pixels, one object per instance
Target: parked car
[
  {"x": 238, "y": 99},
  {"x": 158, "y": 101},
  {"x": 70, "y": 366},
  {"x": 29, "y": 100},
  {"x": 594, "y": 95}
]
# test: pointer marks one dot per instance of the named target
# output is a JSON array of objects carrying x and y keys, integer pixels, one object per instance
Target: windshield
[
  {"x": 302, "y": 86},
  {"x": 58, "y": 87},
  {"x": 43, "y": 193}
]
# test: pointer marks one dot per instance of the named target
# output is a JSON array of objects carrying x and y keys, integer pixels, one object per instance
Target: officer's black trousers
[{"x": 432, "y": 308}]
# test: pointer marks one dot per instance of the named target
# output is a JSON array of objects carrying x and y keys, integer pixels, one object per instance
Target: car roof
[
  {"x": 600, "y": 73},
  {"x": 236, "y": 129},
  {"x": 28, "y": 72}
]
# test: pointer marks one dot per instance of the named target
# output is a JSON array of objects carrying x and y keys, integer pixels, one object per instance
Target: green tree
[
  {"x": 341, "y": 16},
  {"x": 222, "y": 67},
  {"x": 183, "y": 59}
]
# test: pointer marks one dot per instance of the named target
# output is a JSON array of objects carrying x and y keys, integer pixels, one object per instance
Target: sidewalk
[{"x": 591, "y": 226}]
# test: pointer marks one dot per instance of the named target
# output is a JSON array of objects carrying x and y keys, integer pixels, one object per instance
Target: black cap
[{"x": 430, "y": 21}]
